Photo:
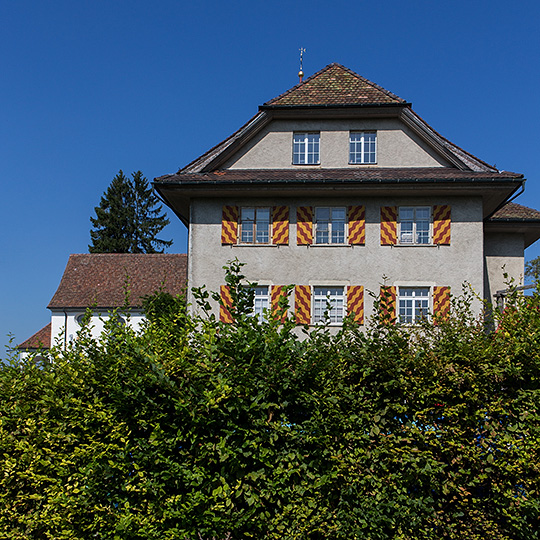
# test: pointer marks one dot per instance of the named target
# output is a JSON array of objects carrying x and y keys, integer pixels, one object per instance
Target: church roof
[
  {"x": 103, "y": 280},
  {"x": 335, "y": 85},
  {"x": 40, "y": 340}
]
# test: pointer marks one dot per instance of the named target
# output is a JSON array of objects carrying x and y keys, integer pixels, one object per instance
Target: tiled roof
[
  {"x": 101, "y": 279},
  {"x": 335, "y": 85},
  {"x": 301, "y": 174},
  {"x": 40, "y": 340},
  {"x": 516, "y": 212}
]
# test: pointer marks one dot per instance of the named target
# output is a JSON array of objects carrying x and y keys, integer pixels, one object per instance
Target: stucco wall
[
  {"x": 342, "y": 265},
  {"x": 397, "y": 145},
  {"x": 61, "y": 321},
  {"x": 503, "y": 254}
]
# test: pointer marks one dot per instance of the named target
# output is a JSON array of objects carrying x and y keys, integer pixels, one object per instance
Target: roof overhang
[
  {"x": 178, "y": 192},
  {"x": 529, "y": 228}
]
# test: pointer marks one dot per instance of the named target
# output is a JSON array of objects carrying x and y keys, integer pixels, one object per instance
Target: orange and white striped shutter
[
  {"x": 388, "y": 304},
  {"x": 304, "y": 225},
  {"x": 355, "y": 302},
  {"x": 357, "y": 224},
  {"x": 388, "y": 225},
  {"x": 277, "y": 313},
  {"x": 229, "y": 225},
  {"x": 280, "y": 225},
  {"x": 441, "y": 224},
  {"x": 441, "y": 302},
  {"x": 302, "y": 304},
  {"x": 226, "y": 303}
]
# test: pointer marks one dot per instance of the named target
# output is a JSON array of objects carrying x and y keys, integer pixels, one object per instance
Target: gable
[{"x": 397, "y": 144}]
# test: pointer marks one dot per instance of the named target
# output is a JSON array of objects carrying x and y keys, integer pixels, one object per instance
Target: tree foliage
[
  {"x": 532, "y": 268},
  {"x": 198, "y": 429},
  {"x": 128, "y": 218}
]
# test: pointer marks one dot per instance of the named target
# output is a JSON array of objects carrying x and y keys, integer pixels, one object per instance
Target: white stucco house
[
  {"x": 337, "y": 187},
  {"x": 104, "y": 282}
]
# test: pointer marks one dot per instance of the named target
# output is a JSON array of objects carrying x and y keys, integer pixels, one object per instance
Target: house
[
  {"x": 104, "y": 282},
  {"x": 338, "y": 187}
]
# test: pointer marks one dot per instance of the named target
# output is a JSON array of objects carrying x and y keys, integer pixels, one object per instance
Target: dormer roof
[{"x": 335, "y": 85}]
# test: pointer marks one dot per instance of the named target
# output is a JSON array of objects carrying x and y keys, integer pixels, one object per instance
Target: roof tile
[
  {"x": 103, "y": 279},
  {"x": 40, "y": 340},
  {"x": 335, "y": 85},
  {"x": 516, "y": 212}
]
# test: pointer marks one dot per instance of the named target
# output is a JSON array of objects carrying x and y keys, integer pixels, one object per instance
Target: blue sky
[{"x": 88, "y": 88}]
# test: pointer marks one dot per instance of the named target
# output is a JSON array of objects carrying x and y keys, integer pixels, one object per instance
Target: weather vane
[{"x": 301, "y": 72}]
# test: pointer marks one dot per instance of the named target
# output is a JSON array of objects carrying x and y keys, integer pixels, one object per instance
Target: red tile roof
[
  {"x": 40, "y": 340},
  {"x": 335, "y": 85},
  {"x": 352, "y": 174},
  {"x": 101, "y": 279},
  {"x": 516, "y": 212}
]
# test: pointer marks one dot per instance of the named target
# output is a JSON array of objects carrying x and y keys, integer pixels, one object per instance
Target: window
[
  {"x": 413, "y": 304},
  {"x": 362, "y": 147},
  {"x": 260, "y": 302},
  {"x": 414, "y": 225},
  {"x": 305, "y": 148},
  {"x": 330, "y": 301},
  {"x": 330, "y": 225},
  {"x": 255, "y": 225}
]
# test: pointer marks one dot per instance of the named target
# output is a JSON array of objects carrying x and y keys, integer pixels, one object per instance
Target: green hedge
[{"x": 196, "y": 429}]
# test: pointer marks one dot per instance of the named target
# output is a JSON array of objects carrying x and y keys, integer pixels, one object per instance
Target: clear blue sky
[{"x": 88, "y": 88}]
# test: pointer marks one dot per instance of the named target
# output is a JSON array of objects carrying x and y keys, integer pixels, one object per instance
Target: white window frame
[
  {"x": 301, "y": 148},
  {"x": 363, "y": 149},
  {"x": 320, "y": 298},
  {"x": 253, "y": 225},
  {"x": 415, "y": 307},
  {"x": 261, "y": 302},
  {"x": 415, "y": 231},
  {"x": 332, "y": 229}
]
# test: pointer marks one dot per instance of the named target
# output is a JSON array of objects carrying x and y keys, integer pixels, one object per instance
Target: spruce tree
[{"x": 128, "y": 218}]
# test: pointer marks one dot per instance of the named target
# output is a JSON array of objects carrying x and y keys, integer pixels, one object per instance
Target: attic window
[
  {"x": 362, "y": 147},
  {"x": 306, "y": 149}
]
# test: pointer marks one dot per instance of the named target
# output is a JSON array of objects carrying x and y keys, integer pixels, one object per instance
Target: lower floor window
[
  {"x": 413, "y": 304},
  {"x": 328, "y": 301},
  {"x": 260, "y": 302}
]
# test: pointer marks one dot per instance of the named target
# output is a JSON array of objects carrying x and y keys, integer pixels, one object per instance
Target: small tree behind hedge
[{"x": 198, "y": 429}]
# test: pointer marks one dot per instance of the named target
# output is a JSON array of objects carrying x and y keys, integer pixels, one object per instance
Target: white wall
[{"x": 64, "y": 326}]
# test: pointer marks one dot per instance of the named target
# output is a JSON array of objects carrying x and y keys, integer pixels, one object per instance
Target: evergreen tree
[{"x": 128, "y": 218}]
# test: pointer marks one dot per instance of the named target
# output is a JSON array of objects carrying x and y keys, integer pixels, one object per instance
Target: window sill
[
  {"x": 329, "y": 245},
  {"x": 415, "y": 245},
  {"x": 306, "y": 164},
  {"x": 257, "y": 245}
]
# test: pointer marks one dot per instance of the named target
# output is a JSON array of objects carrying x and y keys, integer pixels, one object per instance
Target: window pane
[
  {"x": 260, "y": 302},
  {"x": 330, "y": 300}
]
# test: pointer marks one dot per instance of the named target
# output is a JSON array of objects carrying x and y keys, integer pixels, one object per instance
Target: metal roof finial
[{"x": 301, "y": 72}]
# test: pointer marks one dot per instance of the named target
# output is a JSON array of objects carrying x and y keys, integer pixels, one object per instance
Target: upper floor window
[
  {"x": 414, "y": 224},
  {"x": 413, "y": 304},
  {"x": 255, "y": 225},
  {"x": 330, "y": 225},
  {"x": 362, "y": 147},
  {"x": 328, "y": 301},
  {"x": 306, "y": 149}
]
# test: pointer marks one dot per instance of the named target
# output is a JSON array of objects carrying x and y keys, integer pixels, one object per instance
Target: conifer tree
[{"x": 128, "y": 218}]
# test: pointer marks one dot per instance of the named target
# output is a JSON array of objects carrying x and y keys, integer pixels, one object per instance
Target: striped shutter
[
  {"x": 302, "y": 304},
  {"x": 357, "y": 224},
  {"x": 355, "y": 302},
  {"x": 277, "y": 313},
  {"x": 388, "y": 225},
  {"x": 229, "y": 225},
  {"x": 226, "y": 302},
  {"x": 441, "y": 224},
  {"x": 388, "y": 304},
  {"x": 304, "y": 225},
  {"x": 280, "y": 225},
  {"x": 441, "y": 302}
]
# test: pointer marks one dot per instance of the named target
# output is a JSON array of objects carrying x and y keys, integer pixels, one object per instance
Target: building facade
[{"x": 339, "y": 188}]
